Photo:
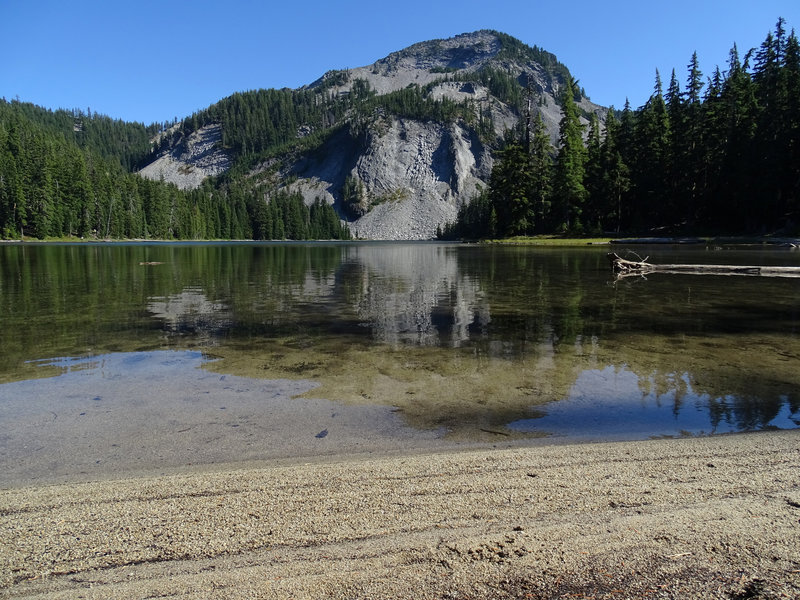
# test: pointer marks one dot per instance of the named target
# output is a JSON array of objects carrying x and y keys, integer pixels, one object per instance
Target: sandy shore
[{"x": 711, "y": 517}]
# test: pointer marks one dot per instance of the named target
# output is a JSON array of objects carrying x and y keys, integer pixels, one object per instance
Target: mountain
[
  {"x": 406, "y": 146},
  {"x": 396, "y": 146}
]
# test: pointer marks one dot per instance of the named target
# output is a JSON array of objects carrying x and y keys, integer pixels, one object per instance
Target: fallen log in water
[{"x": 624, "y": 268}]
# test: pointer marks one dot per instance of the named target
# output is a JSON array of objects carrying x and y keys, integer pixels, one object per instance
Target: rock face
[
  {"x": 419, "y": 173},
  {"x": 414, "y": 174},
  {"x": 411, "y": 175},
  {"x": 190, "y": 161}
]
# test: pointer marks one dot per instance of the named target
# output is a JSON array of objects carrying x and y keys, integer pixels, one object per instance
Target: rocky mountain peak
[
  {"x": 465, "y": 51},
  {"x": 427, "y": 62},
  {"x": 396, "y": 168}
]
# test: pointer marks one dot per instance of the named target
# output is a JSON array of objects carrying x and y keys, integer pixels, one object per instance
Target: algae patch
[
  {"x": 474, "y": 392},
  {"x": 463, "y": 391}
]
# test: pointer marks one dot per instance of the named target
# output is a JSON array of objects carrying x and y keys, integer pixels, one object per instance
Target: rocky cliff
[
  {"x": 414, "y": 175},
  {"x": 411, "y": 174},
  {"x": 191, "y": 159}
]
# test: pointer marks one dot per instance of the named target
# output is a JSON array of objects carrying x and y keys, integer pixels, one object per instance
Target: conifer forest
[
  {"x": 718, "y": 155},
  {"x": 708, "y": 153}
]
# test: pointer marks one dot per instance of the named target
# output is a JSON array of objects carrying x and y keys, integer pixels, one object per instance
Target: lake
[{"x": 123, "y": 357}]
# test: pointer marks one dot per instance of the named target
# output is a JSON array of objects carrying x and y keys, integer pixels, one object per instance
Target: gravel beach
[{"x": 710, "y": 517}]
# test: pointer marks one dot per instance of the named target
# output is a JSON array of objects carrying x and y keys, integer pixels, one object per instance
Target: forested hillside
[
  {"x": 68, "y": 174},
  {"x": 720, "y": 155}
]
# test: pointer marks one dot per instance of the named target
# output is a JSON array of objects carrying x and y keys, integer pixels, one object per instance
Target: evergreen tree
[
  {"x": 791, "y": 130},
  {"x": 542, "y": 173},
  {"x": 713, "y": 151},
  {"x": 569, "y": 193},
  {"x": 770, "y": 78},
  {"x": 474, "y": 220},
  {"x": 616, "y": 177},
  {"x": 512, "y": 190},
  {"x": 594, "y": 178},
  {"x": 625, "y": 137},
  {"x": 653, "y": 164},
  {"x": 686, "y": 120},
  {"x": 354, "y": 197}
]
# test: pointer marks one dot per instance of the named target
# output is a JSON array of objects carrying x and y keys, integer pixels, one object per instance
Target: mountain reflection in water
[{"x": 459, "y": 338}]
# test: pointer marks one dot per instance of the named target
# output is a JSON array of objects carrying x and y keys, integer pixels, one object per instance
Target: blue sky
[{"x": 152, "y": 61}]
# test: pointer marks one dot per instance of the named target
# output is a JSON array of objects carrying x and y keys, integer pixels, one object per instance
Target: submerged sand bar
[{"x": 699, "y": 517}]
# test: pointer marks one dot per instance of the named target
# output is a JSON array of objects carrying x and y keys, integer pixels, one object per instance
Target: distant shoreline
[{"x": 545, "y": 240}]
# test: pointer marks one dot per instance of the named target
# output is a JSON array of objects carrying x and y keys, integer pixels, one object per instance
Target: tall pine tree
[{"x": 569, "y": 193}]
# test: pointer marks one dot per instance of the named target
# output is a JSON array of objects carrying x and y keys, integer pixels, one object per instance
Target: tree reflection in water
[{"x": 463, "y": 337}]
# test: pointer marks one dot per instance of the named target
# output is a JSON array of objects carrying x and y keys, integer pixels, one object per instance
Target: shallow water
[
  {"x": 410, "y": 344},
  {"x": 139, "y": 411}
]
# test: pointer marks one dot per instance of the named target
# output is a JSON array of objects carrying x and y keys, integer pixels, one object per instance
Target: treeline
[
  {"x": 285, "y": 216},
  {"x": 113, "y": 139},
  {"x": 720, "y": 156},
  {"x": 52, "y": 187},
  {"x": 257, "y": 121}
]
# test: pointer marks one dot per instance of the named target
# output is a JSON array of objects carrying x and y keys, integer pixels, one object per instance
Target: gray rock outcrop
[
  {"x": 189, "y": 162},
  {"x": 415, "y": 175}
]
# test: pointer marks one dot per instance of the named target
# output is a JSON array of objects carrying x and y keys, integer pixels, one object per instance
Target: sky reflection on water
[
  {"x": 112, "y": 414},
  {"x": 453, "y": 338},
  {"x": 610, "y": 404}
]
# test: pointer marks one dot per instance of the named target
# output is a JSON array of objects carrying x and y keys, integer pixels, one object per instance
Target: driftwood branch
[{"x": 624, "y": 268}]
